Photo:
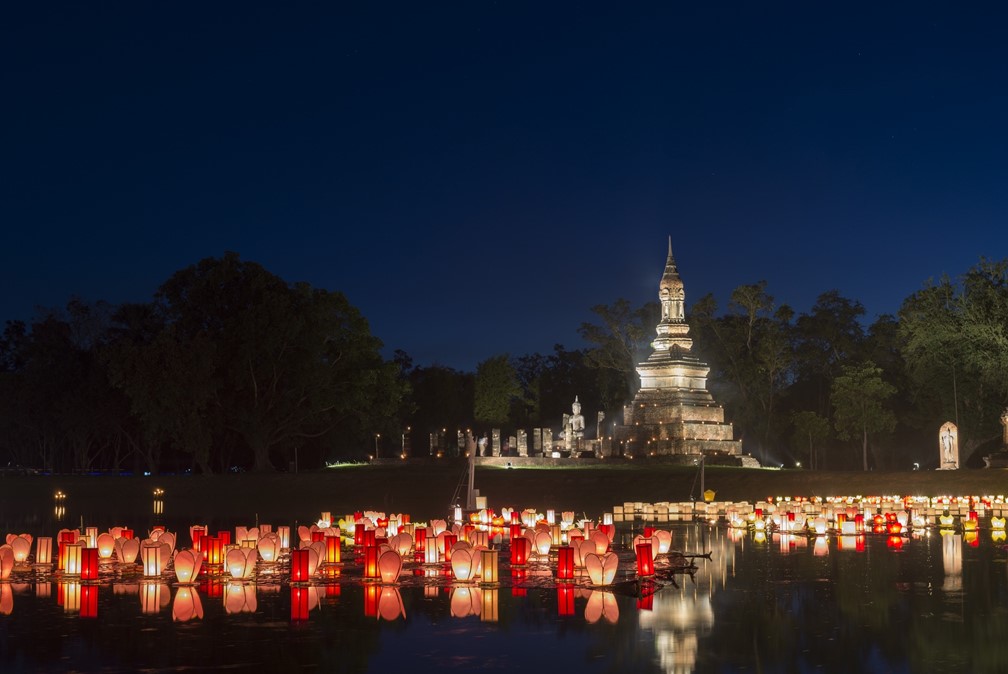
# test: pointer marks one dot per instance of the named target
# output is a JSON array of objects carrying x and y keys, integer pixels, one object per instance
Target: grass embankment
[{"x": 424, "y": 489}]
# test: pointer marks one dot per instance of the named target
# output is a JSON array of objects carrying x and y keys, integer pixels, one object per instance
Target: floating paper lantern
[
  {"x": 333, "y": 551},
  {"x": 664, "y": 539},
  {"x": 196, "y": 532},
  {"x": 447, "y": 540},
  {"x": 389, "y": 566},
  {"x": 601, "y": 541},
  {"x": 645, "y": 559},
  {"x": 543, "y": 543},
  {"x": 565, "y": 563},
  {"x": 240, "y": 562},
  {"x": 371, "y": 562},
  {"x": 213, "y": 548},
  {"x": 488, "y": 566},
  {"x": 430, "y": 549},
  {"x": 187, "y": 565},
  {"x": 269, "y": 547},
  {"x": 20, "y": 547},
  {"x": 401, "y": 543},
  {"x": 150, "y": 559},
  {"x": 127, "y": 550},
  {"x": 299, "y": 566},
  {"x": 283, "y": 533},
  {"x": 463, "y": 566},
  {"x": 89, "y": 563},
  {"x": 43, "y": 550},
  {"x": 601, "y": 568},
  {"x": 72, "y": 562},
  {"x": 187, "y": 605},
  {"x": 6, "y": 561},
  {"x": 997, "y": 522},
  {"x": 106, "y": 545},
  {"x": 520, "y": 549}
]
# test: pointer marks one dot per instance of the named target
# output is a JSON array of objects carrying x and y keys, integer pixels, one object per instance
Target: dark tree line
[{"x": 230, "y": 366}]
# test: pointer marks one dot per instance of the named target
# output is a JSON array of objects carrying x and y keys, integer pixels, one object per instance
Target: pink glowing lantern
[
  {"x": 601, "y": 568},
  {"x": 21, "y": 547},
  {"x": 127, "y": 550},
  {"x": 6, "y": 561},
  {"x": 269, "y": 547},
  {"x": 601, "y": 541},
  {"x": 389, "y": 566},
  {"x": 106, "y": 545},
  {"x": 463, "y": 566},
  {"x": 187, "y": 565},
  {"x": 543, "y": 543},
  {"x": 240, "y": 562}
]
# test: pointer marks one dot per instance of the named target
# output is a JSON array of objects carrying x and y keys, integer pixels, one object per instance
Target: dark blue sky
[{"x": 474, "y": 176}]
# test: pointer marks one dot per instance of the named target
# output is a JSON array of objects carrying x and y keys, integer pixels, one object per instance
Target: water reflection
[{"x": 777, "y": 602}]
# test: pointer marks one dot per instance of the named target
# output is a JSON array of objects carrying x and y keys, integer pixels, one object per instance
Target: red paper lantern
[
  {"x": 225, "y": 537},
  {"x": 333, "y": 549},
  {"x": 565, "y": 562},
  {"x": 299, "y": 566},
  {"x": 358, "y": 534},
  {"x": 89, "y": 599},
  {"x": 575, "y": 538},
  {"x": 299, "y": 604},
  {"x": 371, "y": 562},
  {"x": 420, "y": 540},
  {"x": 449, "y": 541},
  {"x": 126, "y": 533},
  {"x": 648, "y": 532},
  {"x": 198, "y": 534},
  {"x": 89, "y": 564},
  {"x": 317, "y": 536},
  {"x": 369, "y": 538},
  {"x": 645, "y": 560},
  {"x": 565, "y": 600},
  {"x": 213, "y": 548},
  {"x": 521, "y": 547},
  {"x": 514, "y": 531}
]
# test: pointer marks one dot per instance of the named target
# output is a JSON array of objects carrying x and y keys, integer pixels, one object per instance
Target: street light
[{"x": 376, "y": 437}]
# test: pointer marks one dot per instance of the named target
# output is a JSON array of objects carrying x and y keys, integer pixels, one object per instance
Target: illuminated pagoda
[{"x": 673, "y": 413}]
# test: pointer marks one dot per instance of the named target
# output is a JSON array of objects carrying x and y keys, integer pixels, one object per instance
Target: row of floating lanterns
[{"x": 469, "y": 550}]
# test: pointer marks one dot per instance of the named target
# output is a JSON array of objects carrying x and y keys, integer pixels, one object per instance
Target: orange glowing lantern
[
  {"x": 150, "y": 558},
  {"x": 430, "y": 549},
  {"x": 488, "y": 566},
  {"x": 565, "y": 563},
  {"x": 197, "y": 532},
  {"x": 371, "y": 562},
  {"x": 72, "y": 561},
  {"x": 106, "y": 545},
  {"x": 333, "y": 552},
  {"x": 601, "y": 568},
  {"x": 43, "y": 550}
]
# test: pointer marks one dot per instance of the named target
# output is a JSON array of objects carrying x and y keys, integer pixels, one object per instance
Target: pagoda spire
[{"x": 672, "y": 329}]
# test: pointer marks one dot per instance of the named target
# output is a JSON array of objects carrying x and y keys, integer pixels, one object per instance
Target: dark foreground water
[{"x": 930, "y": 602}]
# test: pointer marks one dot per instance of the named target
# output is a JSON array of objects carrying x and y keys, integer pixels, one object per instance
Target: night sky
[{"x": 474, "y": 176}]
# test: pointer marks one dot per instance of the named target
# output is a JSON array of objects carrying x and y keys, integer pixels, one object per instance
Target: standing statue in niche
[{"x": 948, "y": 442}]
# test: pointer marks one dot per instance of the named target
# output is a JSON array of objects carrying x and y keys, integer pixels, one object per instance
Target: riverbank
[{"x": 425, "y": 489}]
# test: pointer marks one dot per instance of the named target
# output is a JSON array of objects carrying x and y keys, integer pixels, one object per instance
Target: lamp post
[{"x": 376, "y": 438}]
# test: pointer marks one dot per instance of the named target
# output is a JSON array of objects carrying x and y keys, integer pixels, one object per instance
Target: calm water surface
[{"x": 924, "y": 603}]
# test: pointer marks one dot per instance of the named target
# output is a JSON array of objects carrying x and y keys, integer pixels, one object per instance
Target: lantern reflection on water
[{"x": 187, "y": 605}]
